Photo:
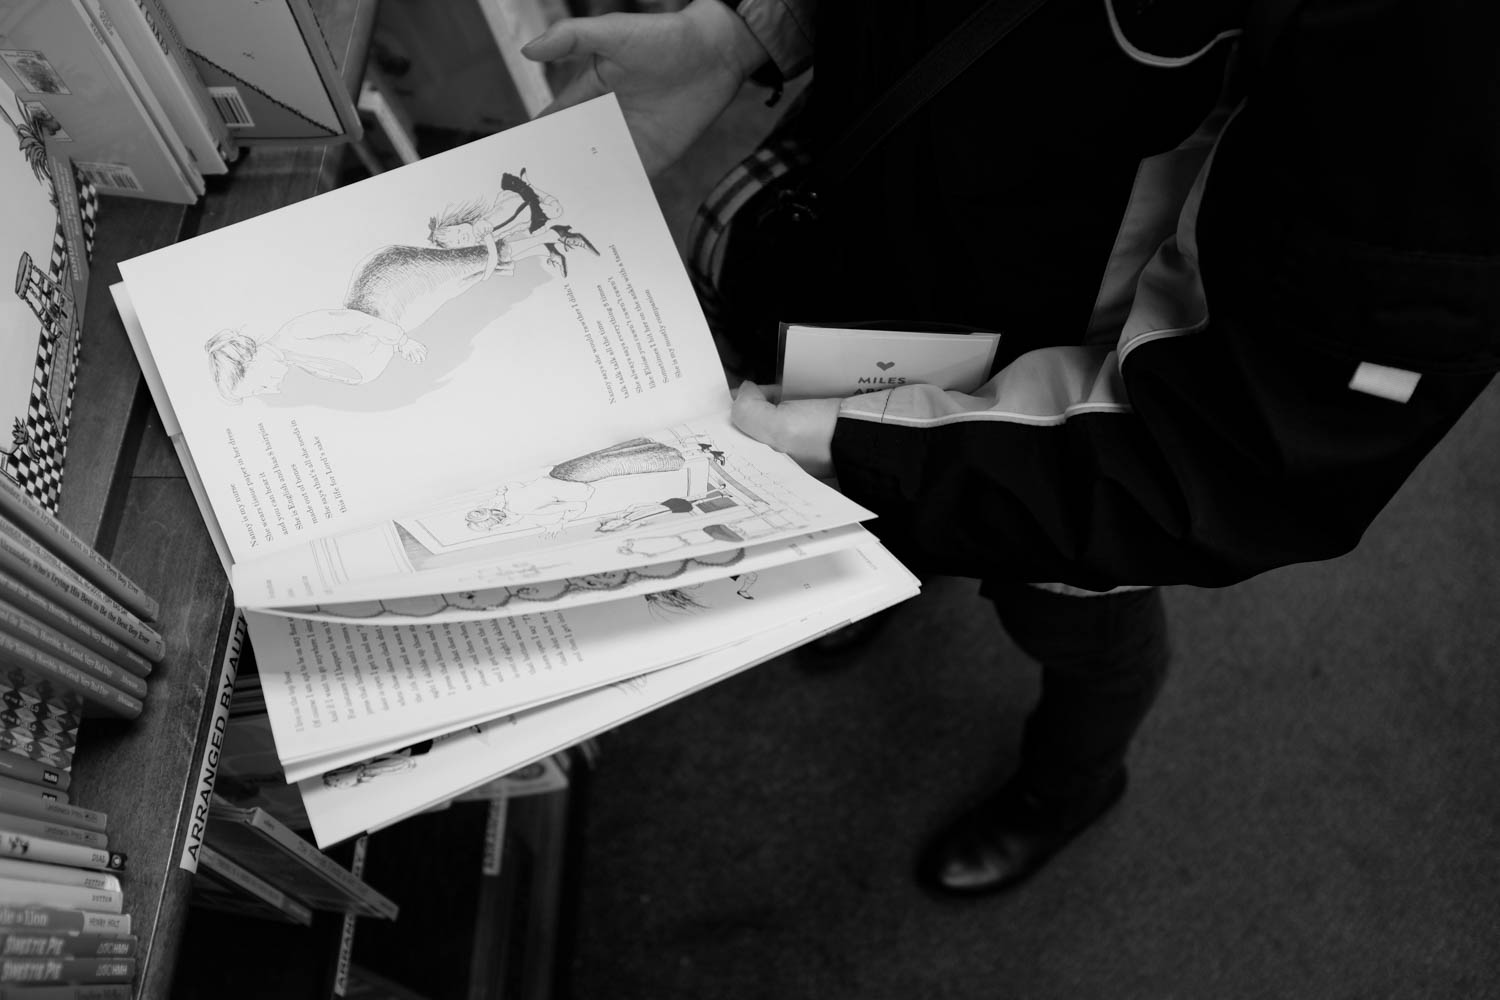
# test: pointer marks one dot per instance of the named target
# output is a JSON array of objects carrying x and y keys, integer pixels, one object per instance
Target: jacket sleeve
[
  {"x": 1342, "y": 253},
  {"x": 785, "y": 28}
]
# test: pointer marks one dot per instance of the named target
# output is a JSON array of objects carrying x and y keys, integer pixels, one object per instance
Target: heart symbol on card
[{"x": 885, "y": 366}]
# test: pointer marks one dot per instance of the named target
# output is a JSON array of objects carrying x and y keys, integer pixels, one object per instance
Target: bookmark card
[{"x": 820, "y": 362}]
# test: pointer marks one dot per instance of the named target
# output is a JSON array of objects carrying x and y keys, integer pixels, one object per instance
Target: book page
[
  {"x": 377, "y": 792},
  {"x": 386, "y": 343},
  {"x": 578, "y": 591},
  {"x": 342, "y": 693},
  {"x": 699, "y": 489}
]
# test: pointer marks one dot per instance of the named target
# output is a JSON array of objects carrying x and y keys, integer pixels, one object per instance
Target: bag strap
[{"x": 975, "y": 36}]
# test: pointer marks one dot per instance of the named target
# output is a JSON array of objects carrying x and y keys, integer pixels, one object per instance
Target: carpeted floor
[{"x": 1314, "y": 812}]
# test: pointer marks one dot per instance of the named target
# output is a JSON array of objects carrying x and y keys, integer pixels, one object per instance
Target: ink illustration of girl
[{"x": 394, "y": 291}]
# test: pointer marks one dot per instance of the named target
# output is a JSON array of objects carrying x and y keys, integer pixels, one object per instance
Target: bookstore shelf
[{"x": 124, "y": 491}]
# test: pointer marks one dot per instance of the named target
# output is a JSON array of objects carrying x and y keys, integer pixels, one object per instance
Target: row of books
[
  {"x": 151, "y": 96},
  {"x": 64, "y": 932},
  {"x": 76, "y": 640}
]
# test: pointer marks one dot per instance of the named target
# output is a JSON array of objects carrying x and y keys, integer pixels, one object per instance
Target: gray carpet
[{"x": 1313, "y": 813}]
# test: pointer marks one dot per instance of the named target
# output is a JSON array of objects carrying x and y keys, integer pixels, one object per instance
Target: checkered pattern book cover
[{"x": 47, "y": 308}]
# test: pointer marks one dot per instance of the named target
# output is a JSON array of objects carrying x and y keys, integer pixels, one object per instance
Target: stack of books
[
  {"x": 63, "y": 930},
  {"x": 153, "y": 95},
  {"x": 75, "y": 640}
]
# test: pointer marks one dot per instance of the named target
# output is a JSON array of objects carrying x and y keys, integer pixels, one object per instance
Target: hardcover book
[
  {"x": 144, "y": 28},
  {"x": 474, "y": 454},
  {"x": 44, "y": 246},
  {"x": 268, "y": 70},
  {"x": 58, "y": 61}
]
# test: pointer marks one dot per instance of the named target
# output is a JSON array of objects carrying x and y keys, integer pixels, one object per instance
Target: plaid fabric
[{"x": 707, "y": 236}]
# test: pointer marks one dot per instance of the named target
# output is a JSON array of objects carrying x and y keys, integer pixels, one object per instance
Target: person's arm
[{"x": 1350, "y": 217}]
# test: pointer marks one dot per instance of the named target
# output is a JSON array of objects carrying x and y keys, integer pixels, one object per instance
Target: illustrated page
[
  {"x": 381, "y": 790},
  {"x": 489, "y": 309},
  {"x": 590, "y": 588},
  {"x": 337, "y": 694},
  {"x": 696, "y": 490}
]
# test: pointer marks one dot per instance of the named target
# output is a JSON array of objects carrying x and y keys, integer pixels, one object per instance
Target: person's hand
[
  {"x": 800, "y": 428},
  {"x": 672, "y": 73}
]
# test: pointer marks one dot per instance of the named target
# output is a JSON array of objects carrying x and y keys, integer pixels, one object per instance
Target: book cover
[
  {"x": 151, "y": 38},
  {"x": 49, "y": 218},
  {"x": 268, "y": 70},
  {"x": 145, "y": 93},
  {"x": 53, "y": 56},
  {"x": 280, "y": 855}
]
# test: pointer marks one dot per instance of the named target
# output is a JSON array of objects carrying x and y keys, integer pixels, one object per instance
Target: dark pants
[{"x": 1103, "y": 661}]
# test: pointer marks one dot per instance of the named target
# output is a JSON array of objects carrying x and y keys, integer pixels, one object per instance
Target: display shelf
[{"x": 124, "y": 490}]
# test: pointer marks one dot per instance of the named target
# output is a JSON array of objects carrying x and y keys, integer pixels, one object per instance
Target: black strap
[{"x": 966, "y": 43}]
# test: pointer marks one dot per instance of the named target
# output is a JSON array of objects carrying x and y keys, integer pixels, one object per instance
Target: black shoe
[{"x": 1007, "y": 838}]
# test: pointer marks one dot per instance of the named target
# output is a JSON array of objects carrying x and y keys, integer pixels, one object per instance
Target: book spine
[
  {"x": 69, "y": 991},
  {"x": 45, "y": 527},
  {"x": 22, "y": 557},
  {"x": 235, "y": 874},
  {"x": 22, "y": 694},
  {"x": 68, "y": 897},
  {"x": 51, "y": 670},
  {"x": 28, "y": 944},
  {"x": 58, "y": 919},
  {"x": 54, "y": 830},
  {"x": 25, "y": 790},
  {"x": 39, "y": 807},
  {"x": 15, "y": 844},
  {"x": 166, "y": 32},
  {"x": 28, "y": 629},
  {"x": 41, "y": 871},
  {"x": 25, "y": 746},
  {"x": 40, "y": 606},
  {"x": 24, "y": 769},
  {"x": 41, "y": 722},
  {"x": 145, "y": 94},
  {"x": 67, "y": 970}
]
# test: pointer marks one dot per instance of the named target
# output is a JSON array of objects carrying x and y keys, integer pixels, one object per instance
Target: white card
[{"x": 823, "y": 361}]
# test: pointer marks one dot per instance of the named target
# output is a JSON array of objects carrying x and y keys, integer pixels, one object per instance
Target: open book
[{"x": 461, "y": 436}]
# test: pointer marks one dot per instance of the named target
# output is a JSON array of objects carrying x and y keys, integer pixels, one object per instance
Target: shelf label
[{"x": 208, "y": 766}]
